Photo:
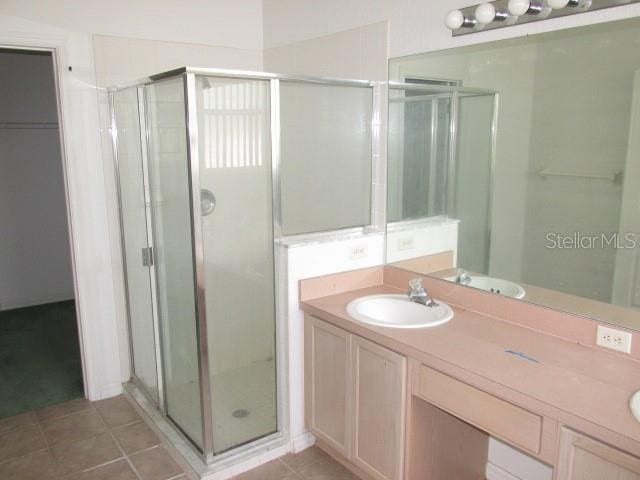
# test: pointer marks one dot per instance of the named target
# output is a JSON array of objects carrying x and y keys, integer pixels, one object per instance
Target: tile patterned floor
[
  {"x": 311, "y": 464},
  {"x": 81, "y": 440},
  {"x": 107, "y": 440}
]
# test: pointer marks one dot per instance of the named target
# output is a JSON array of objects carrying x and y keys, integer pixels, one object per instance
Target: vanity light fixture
[
  {"x": 455, "y": 20},
  {"x": 556, "y": 4},
  {"x": 524, "y": 7},
  {"x": 504, "y": 13},
  {"x": 487, "y": 13}
]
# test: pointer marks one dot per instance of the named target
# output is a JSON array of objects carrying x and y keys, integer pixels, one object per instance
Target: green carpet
[{"x": 39, "y": 357}]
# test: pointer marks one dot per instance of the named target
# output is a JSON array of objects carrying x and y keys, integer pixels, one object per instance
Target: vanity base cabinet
[
  {"x": 583, "y": 458},
  {"x": 379, "y": 378},
  {"x": 355, "y": 395},
  {"x": 328, "y": 384}
]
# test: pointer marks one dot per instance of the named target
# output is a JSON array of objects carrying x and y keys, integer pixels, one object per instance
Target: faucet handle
[{"x": 416, "y": 284}]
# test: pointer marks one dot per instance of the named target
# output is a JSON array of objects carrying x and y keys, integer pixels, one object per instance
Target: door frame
[{"x": 85, "y": 197}]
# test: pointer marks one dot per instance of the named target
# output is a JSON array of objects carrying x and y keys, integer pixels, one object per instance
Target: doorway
[{"x": 40, "y": 360}]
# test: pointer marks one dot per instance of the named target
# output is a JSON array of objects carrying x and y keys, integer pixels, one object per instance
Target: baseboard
[
  {"x": 302, "y": 442},
  {"x": 108, "y": 390},
  {"x": 496, "y": 473}
]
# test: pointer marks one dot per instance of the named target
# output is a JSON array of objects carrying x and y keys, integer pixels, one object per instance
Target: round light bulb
[
  {"x": 519, "y": 7},
  {"x": 485, "y": 13},
  {"x": 454, "y": 19},
  {"x": 556, "y": 4}
]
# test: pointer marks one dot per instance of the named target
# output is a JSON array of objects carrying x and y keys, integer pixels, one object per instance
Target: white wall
[
  {"x": 414, "y": 25},
  {"x": 35, "y": 260},
  {"x": 360, "y": 52},
  {"x": 210, "y": 22}
]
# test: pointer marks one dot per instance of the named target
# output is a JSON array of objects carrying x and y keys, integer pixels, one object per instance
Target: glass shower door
[
  {"x": 473, "y": 180},
  {"x": 173, "y": 254},
  {"x": 235, "y": 179},
  {"x": 135, "y": 237}
]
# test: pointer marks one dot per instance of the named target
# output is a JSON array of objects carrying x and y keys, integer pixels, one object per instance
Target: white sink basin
[
  {"x": 634, "y": 405},
  {"x": 397, "y": 311},
  {"x": 494, "y": 285}
]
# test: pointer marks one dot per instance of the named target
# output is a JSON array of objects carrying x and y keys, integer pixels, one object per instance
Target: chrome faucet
[
  {"x": 418, "y": 294},
  {"x": 462, "y": 277}
]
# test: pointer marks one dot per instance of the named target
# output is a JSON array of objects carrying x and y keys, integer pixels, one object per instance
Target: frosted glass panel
[
  {"x": 133, "y": 208},
  {"x": 473, "y": 180},
  {"x": 235, "y": 169},
  {"x": 169, "y": 179},
  {"x": 325, "y": 166},
  {"x": 419, "y": 154}
]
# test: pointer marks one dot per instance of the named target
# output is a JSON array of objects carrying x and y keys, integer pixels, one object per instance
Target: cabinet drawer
[{"x": 502, "y": 419}]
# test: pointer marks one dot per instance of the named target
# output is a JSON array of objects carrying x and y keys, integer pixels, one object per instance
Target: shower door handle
[{"x": 147, "y": 256}]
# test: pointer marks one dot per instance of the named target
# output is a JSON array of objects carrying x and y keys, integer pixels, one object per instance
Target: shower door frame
[
  {"x": 455, "y": 92},
  {"x": 189, "y": 75},
  {"x": 142, "y": 121}
]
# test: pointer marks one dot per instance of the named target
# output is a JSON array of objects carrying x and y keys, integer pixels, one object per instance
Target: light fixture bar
[{"x": 478, "y": 18}]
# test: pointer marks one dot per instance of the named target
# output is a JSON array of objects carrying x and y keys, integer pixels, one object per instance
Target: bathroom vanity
[{"x": 416, "y": 404}]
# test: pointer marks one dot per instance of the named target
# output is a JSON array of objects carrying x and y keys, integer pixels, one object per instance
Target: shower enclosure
[
  {"x": 440, "y": 161},
  {"x": 199, "y": 163}
]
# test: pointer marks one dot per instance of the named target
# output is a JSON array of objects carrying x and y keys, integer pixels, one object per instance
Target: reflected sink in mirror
[
  {"x": 397, "y": 311},
  {"x": 634, "y": 405},
  {"x": 493, "y": 285}
]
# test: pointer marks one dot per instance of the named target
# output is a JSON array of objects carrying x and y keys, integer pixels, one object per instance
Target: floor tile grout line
[
  {"x": 11, "y": 459},
  {"x": 287, "y": 466},
  {"x": 176, "y": 476},
  {"x": 49, "y": 450},
  {"x": 126, "y": 457},
  {"x": 19, "y": 425},
  {"x": 67, "y": 442},
  {"x": 42, "y": 420},
  {"x": 95, "y": 467},
  {"x": 137, "y": 452},
  {"x": 127, "y": 424},
  {"x": 49, "y": 447},
  {"x": 43, "y": 423}
]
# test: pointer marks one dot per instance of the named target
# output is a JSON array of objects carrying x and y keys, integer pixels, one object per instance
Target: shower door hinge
[{"x": 147, "y": 256}]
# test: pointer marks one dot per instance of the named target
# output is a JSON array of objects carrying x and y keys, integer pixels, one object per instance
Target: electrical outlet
[
  {"x": 358, "y": 252},
  {"x": 405, "y": 243},
  {"x": 614, "y": 339}
]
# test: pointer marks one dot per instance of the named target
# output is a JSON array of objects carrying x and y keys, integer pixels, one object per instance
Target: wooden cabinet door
[
  {"x": 583, "y": 458},
  {"x": 328, "y": 383},
  {"x": 379, "y": 409}
]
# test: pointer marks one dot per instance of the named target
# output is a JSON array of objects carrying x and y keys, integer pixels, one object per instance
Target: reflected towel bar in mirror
[{"x": 613, "y": 177}]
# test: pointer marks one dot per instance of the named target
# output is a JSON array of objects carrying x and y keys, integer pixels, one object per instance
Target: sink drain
[{"x": 241, "y": 413}]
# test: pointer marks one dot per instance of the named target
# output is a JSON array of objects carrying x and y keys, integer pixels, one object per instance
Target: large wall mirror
[{"x": 514, "y": 167}]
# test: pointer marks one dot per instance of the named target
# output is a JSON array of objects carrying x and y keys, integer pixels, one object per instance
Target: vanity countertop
[{"x": 586, "y": 388}]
